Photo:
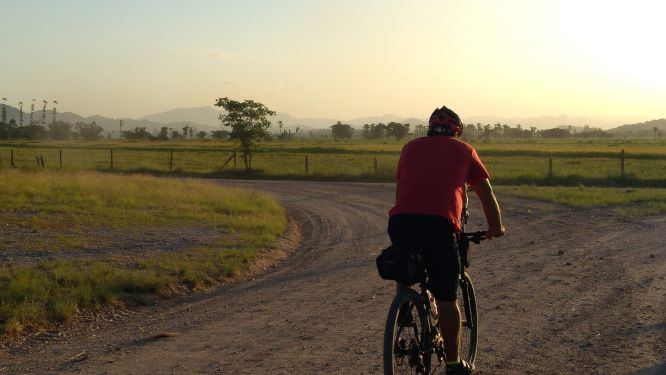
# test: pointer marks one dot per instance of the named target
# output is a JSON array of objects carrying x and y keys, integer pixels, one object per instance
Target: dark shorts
[{"x": 436, "y": 236}]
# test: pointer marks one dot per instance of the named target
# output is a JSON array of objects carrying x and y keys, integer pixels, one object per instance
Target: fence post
[
  {"x": 60, "y": 152},
  {"x": 375, "y": 166},
  {"x": 111, "y": 159},
  {"x": 550, "y": 167},
  {"x": 622, "y": 165},
  {"x": 12, "y": 160},
  {"x": 41, "y": 160},
  {"x": 306, "y": 165},
  {"x": 171, "y": 161},
  {"x": 234, "y": 159}
]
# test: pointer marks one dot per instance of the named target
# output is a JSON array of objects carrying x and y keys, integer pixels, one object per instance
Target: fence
[{"x": 505, "y": 168}]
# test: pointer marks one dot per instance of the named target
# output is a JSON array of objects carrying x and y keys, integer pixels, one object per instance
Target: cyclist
[{"x": 431, "y": 177}]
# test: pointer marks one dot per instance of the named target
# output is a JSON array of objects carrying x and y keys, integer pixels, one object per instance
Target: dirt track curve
[{"x": 567, "y": 291}]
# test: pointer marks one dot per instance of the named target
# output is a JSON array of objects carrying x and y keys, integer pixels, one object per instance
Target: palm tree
[
  {"x": 44, "y": 111},
  {"x": 4, "y": 111},
  {"x": 32, "y": 110},
  {"x": 20, "y": 113},
  {"x": 55, "y": 102}
]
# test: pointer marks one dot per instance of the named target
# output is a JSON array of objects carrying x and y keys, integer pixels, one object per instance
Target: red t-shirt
[{"x": 431, "y": 176}]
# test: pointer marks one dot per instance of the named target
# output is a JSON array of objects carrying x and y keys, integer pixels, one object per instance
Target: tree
[
  {"x": 397, "y": 130},
  {"x": 374, "y": 131},
  {"x": 248, "y": 121},
  {"x": 163, "y": 135},
  {"x": 202, "y": 135},
  {"x": 61, "y": 130},
  {"x": 420, "y": 130},
  {"x": 365, "y": 133},
  {"x": 8, "y": 131},
  {"x": 89, "y": 132},
  {"x": 31, "y": 132},
  {"x": 555, "y": 133},
  {"x": 340, "y": 131},
  {"x": 220, "y": 134},
  {"x": 137, "y": 133},
  {"x": 283, "y": 134}
]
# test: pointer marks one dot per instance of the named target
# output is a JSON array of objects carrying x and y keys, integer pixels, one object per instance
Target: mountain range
[{"x": 207, "y": 119}]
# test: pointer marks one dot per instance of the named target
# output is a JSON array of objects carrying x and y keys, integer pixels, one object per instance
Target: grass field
[
  {"x": 625, "y": 202},
  {"x": 67, "y": 229},
  {"x": 511, "y": 162},
  {"x": 74, "y": 240}
]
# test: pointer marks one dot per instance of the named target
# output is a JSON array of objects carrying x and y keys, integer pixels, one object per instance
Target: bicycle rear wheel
[
  {"x": 469, "y": 331},
  {"x": 405, "y": 334}
]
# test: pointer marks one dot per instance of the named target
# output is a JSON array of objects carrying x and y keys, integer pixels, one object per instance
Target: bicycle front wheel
[
  {"x": 469, "y": 330},
  {"x": 405, "y": 335}
]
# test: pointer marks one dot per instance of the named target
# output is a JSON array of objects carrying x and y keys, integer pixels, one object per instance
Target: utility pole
[{"x": 120, "y": 136}]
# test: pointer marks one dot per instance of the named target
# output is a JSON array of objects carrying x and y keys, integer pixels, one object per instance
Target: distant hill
[
  {"x": 385, "y": 119},
  {"x": 642, "y": 129},
  {"x": 209, "y": 116},
  {"x": 110, "y": 125},
  {"x": 207, "y": 119},
  {"x": 200, "y": 115},
  {"x": 544, "y": 122}
]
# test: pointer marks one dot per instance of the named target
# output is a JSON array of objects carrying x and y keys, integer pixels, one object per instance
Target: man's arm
[{"x": 490, "y": 208}]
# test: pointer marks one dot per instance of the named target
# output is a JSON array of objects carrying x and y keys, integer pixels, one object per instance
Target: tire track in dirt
[{"x": 566, "y": 291}]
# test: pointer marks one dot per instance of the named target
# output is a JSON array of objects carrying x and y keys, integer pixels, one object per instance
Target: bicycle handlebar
[{"x": 475, "y": 237}]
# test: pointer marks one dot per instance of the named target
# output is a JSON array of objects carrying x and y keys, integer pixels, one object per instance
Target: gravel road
[{"x": 567, "y": 291}]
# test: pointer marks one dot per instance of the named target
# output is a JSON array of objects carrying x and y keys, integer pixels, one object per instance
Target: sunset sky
[{"x": 340, "y": 58}]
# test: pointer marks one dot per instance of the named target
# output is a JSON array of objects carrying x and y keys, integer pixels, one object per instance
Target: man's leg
[{"x": 449, "y": 323}]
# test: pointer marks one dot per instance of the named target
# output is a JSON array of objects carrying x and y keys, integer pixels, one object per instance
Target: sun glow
[{"x": 623, "y": 40}]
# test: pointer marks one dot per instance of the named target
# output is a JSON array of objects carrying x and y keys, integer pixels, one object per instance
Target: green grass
[
  {"x": 511, "y": 162},
  {"x": 90, "y": 198},
  {"x": 49, "y": 204},
  {"x": 626, "y": 202}
]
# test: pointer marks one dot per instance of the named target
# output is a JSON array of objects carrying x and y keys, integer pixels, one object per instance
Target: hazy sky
[{"x": 339, "y": 58}]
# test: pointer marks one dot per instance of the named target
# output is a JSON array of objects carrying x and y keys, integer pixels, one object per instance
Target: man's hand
[{"x": 494, "y": 232}]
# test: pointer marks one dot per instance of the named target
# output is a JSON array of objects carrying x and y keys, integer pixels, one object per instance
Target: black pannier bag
[{"x": 402, "y": 263}]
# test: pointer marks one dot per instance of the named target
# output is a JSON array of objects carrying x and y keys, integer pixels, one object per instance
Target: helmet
[{"x": 444, "y": 121}]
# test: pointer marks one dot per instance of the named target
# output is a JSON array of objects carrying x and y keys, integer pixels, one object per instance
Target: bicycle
[{"x": 413, "y": 342}]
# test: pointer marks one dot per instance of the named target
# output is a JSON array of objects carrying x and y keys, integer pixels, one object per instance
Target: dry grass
[{"x": 49, "y": 203}]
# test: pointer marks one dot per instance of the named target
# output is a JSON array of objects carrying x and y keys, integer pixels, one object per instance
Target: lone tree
[
  {"x": 248, "y": 121},
  {"x": 340, "y": 130}
]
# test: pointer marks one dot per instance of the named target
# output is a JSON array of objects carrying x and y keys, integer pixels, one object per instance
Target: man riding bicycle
[{"x": 431, "y": 178}]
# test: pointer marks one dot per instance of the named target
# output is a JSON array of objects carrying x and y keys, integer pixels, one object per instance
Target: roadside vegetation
[
  {"x": 61, "y": 215},
  {"x": 545, "y": 162},
  {"x": 625, "y": 202},
  {"x": 57, "y": 227}
]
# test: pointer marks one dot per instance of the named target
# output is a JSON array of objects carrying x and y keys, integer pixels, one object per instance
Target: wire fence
[{"x": 507, "y": 168}]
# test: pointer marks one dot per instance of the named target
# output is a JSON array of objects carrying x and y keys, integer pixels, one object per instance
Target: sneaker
[{"x": 463, "y": 368}]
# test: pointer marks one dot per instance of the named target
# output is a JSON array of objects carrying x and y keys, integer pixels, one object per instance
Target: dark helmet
[{"x": 445, "y": 121}]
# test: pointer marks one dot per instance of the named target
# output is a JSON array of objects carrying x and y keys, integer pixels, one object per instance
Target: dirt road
[{"x": 567, "y": 291}]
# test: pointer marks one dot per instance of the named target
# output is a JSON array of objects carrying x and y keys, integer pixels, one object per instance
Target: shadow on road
[{"x": 654, "y": 370}]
